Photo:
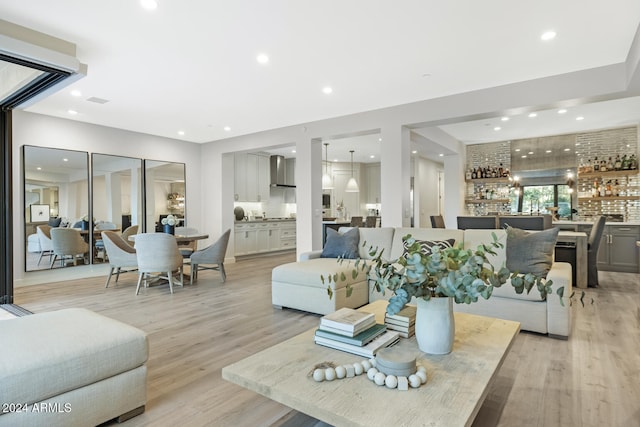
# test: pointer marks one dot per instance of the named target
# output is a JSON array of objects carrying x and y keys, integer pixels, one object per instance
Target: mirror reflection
[
  {"x": 117, "y": 198},
  {"x": 56, "y": 195},
  {"x": 165, "y": 192}
]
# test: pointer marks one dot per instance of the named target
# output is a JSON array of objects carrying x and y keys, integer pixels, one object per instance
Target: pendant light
[
  {"x": 352, "y": 185},
  {"x": 327, "y": 182}
]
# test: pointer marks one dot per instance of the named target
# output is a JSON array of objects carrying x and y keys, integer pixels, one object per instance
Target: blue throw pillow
[
  {"x": 55, "y": 222},
  {"x": 341, "y": 245}
]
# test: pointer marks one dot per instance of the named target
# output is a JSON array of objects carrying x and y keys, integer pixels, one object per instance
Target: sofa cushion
[
  {"x": 343, "y": 245},
  {"x": 531, "y": 252},
  {"x": 64, "y": 350},
  {"x": 375, "y": 239},
  {"x": 309, "y": 273},
  {"x": 55, "y": 222}
]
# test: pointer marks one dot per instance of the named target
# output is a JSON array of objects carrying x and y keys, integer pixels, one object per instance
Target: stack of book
[
  {"x": 404, "y": 322},
  {"x": 354, "y": 332}
]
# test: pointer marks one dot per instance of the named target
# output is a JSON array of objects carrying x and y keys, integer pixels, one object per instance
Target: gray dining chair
[
  {"x": 128, "y": 232},
  {"x": 595, "y": 236},
  {"x": 158, "y": 253},
  {"x": 187, "y": 248},
  {"x": 120, "y": 254},
  {"x": 210, "y": 258},
  {"x": 67, "y": 243}
]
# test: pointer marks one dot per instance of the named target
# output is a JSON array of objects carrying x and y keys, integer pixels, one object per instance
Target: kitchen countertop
[
  {"x": 266, "y": 220},
  {"x": 566, "y": 222}
]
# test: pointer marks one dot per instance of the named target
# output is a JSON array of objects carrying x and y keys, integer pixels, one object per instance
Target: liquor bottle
[
  {"x": 468, "y": 174},
  {"x": 616, "y": 188},
  {"x": 618, "y": 165},
  {"x": 633, "y": 162},
  {"x": 608, "y": 191},
  {"x": 596, "y": 165},
  {"x": 625, "y": 163},
  {"x": 474, "y": 174},
  {"x": 603, "y": 166},
  {"x": 501, "y": 171},
  {"x": 610, "y": 164},
  {"x": 594, "y": 191},
  {"x": 603, "y": 189}
]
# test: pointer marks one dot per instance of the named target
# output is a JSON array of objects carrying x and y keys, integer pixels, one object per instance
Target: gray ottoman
[{"x": 71, "y": 367}]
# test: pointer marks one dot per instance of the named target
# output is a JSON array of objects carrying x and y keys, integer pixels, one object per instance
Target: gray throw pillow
[
  {"x": 341, "y": 245},
  {"x": 531, "y": 252},
  {"x": 55, "y": 222}
]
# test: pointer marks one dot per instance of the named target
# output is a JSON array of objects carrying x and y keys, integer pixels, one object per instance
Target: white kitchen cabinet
[
  {"x": 245, "y": 239},
  {"x": 372, "y": 182},
  {"x": 251, "y": 177},
  {"x": 264, "y": 236}
]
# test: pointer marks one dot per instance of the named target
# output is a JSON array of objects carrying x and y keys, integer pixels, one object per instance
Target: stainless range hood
[{"x": 280, "y": 176}]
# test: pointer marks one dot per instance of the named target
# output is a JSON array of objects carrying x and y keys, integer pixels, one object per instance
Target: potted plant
[{"x": 437, "y": 277}]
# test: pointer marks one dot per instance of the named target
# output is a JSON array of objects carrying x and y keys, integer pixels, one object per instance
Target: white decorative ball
[
  {"x": 366, "y": 365},
  {"x": 329, "y": 374},
  {"x": 379, "y": 378},
  {"x": 422, "y": 368},
  {"x": 391, "y": 381},
  {"x": 341, "y": 372},
  {"x": 359, "y": 369},
  {"x": 414, "y": 381},
  {"x": 371, "y": 373},
  {"x": 422, "y": 375},
  {"x": 318, "y": 375},
  {"x": 373, "y": 361}
]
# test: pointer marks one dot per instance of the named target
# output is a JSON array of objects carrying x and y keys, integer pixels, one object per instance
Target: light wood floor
[{"x": 593, "y": 379}]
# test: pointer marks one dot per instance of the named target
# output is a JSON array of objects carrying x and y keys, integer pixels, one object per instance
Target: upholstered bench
[{"x": 71, "y": 367}]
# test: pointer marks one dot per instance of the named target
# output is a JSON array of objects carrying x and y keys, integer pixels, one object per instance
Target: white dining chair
[
  {"x": 120, "y": 253},
  {"x": 67, "y": 243},
  {"x": 158, "y": 253},
  {"x": 44, "y": 238}
]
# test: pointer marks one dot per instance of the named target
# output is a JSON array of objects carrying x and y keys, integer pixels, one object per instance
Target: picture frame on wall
[{"x": 39, "y": 213}]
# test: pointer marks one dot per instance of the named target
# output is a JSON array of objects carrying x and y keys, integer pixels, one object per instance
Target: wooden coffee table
[{"x": 456, "y": 387}]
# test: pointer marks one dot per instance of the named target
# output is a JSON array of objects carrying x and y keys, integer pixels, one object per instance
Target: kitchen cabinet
[
  {"x": 372, "y": 179},
  {"x": 251, "y": 177},
  {"x": 618, "y": 250},
  {"x": 264, "y": 236}
]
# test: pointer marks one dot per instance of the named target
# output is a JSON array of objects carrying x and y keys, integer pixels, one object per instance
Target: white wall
[
  {"x": 425, "y": 191},
  {"x": 45, "y": 131}
]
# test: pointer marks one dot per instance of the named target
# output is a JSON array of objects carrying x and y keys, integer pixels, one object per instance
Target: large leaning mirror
[
  {"x": 56, "y": 194},
  {"x": 117, "y": 198},
  {"x": 165, "y": 192}
]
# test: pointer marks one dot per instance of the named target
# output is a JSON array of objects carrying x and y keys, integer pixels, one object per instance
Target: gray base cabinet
[{"x": 618, "y": 250}]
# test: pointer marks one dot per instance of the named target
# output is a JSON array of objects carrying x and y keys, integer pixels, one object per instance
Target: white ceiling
[{"x": 191, "y": 66}]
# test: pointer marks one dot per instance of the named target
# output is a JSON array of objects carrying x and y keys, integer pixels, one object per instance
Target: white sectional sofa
[
  {"x": 298, "y": 285},
  {"x": 71, "y": 367}
]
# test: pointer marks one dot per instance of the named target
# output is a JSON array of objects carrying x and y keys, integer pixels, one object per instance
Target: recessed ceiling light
[
  {"x": 497, "y": 128},
  {"x": 39, "y": 168},
  {"x": 517, "y": 150},
  {"x": 293, "y": 151},
  {"x": 379, "y": 139},
  {"x": 533, "y": 115},
  {"x": 579, "y": 118},
  {"x": 149, "y": 4},
  {"x": 548, "y": 35},
  {"x": 524, "y": 156},
  {"x": 567, "y": 149},
  {"x": 327, "y": 90},
  {"x": 441, "y": 155},
  {"x": 76, "y": 93},
  {"x": 505, "y": 119},
  {"x": 72, "y": 112},
  {"x": 227, "y": 128},
  {"x": 414, "y": 152},
  {"x": 65, "y": 160},
  {"x": 562, "y": 111},
  {"x": 180, "y": 132},
  {"x": 530, "y": 152},
  {"x": 548, "y": 151},
  {"x": 372, "y": 156},
  {"x": 262, "y": 58}
]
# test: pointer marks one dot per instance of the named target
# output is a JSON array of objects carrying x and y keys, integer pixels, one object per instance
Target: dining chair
[
  {"x": 129, "y": 231},
  {"x": 44, "y": 238},
  {"x": 595, "y": 236},
  {"x": 67, "y": 243},
  {"x": 437, "y": 221},
  {"x": 356, "y": 221},
  {"x": 99, "y": 244},
  {"x": 370, "y": 221},
  {"x": 120, "y": 254},
  {"x": 158, "y": 253},
  {"x": 210, "y": 258},
  {"x": 187, "y": 248}
]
